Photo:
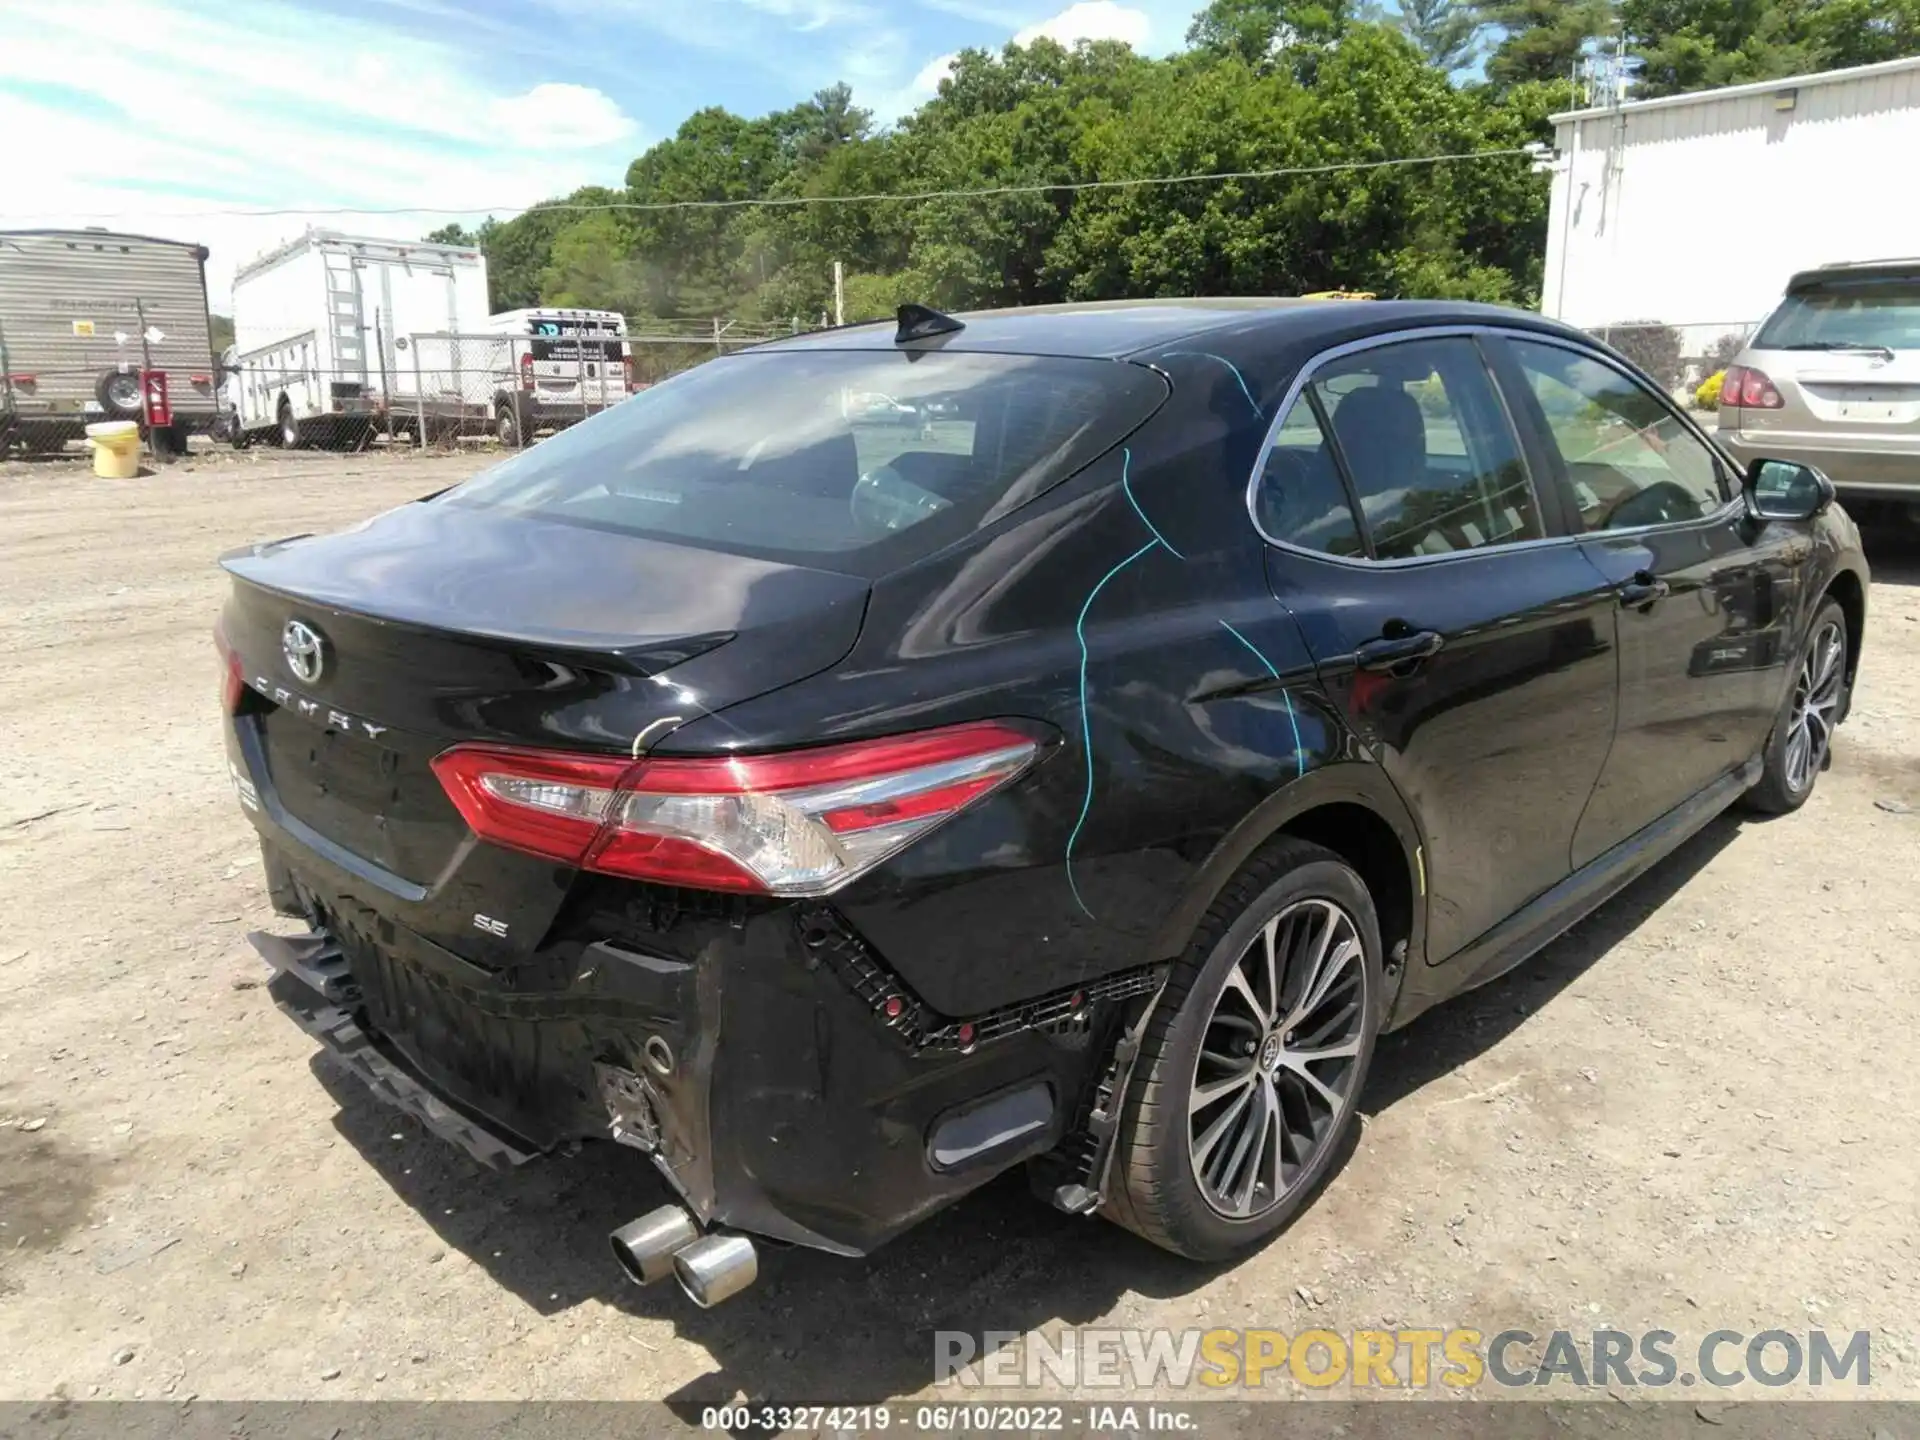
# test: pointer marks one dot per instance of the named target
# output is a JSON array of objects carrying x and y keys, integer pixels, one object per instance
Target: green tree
[
  {"x": 1541, "y": 39},
  {"x": 1256, "y": 30},
  {"x": 1862, "y": 32},
  {"x": 591, "y": 265},
  {"x": 1447, "y": 31}
]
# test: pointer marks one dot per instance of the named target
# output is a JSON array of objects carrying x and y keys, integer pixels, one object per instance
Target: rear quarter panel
[{"x": 1102, "y": 610}]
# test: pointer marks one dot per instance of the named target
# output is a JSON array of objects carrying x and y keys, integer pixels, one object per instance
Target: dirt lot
[{"x": 1697, "y": 1111}]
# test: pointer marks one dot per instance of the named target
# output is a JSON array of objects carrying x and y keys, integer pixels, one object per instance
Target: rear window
[
  {"x": 856, "y": 460},
  {"x": 1870, "y": 311}
]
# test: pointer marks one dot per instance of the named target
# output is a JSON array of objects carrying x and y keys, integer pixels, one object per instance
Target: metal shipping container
[{"x": 82, "y": 313}]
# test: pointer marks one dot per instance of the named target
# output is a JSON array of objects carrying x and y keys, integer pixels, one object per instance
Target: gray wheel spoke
[
  {"x": 1330, "y": 966},
  {"x": 1237, "y": 981},
  {"x": 1345, "y": 1050},
  {"x": 1243, "y": 1163},
  {"x": 1205, "y": 1095},
  {"x": 1204, "y": 1147},
  {"x": 1313, "y": 1082}
]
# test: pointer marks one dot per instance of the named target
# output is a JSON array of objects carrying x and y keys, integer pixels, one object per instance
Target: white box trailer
[
  {"x": 82, "y": 314},
  {"x": 336, "y": 335}
]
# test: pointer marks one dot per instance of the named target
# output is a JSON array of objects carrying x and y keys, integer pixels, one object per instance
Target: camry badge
[{"x": 306, "y": 652}]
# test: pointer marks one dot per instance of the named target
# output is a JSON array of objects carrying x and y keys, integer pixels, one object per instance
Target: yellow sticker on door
[{"x": 83, "y": 328}]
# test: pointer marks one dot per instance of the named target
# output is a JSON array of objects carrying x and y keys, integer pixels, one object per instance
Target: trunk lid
[{"x": 435, "y": 624}]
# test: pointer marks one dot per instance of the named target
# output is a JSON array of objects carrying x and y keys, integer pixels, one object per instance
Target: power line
[{"x": 788, "y": 201}]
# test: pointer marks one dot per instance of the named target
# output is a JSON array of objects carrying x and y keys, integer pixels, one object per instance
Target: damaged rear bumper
[
  {"x": 313, "y": 987},
  {"x": 779, "y": 1077}
]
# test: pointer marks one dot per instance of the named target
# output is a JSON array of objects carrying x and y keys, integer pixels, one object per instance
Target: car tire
[
  {"x": 509, "y": 426},
  {"x": 1801, "y": 742},
  {"x": 1258, "y": 1176},
  {"x": 288, "y": 429}
]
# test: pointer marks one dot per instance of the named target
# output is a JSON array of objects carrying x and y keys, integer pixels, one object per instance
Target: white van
[{"x": 557, "y": 367}]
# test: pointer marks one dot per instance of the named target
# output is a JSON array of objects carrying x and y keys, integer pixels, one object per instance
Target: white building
[{"x": 1692, "y": 210}]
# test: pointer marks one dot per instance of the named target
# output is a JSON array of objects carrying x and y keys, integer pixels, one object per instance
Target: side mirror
[{"x": 1784, "y": 490}]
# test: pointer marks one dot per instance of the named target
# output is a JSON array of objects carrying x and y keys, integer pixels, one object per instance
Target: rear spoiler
[{"x": 1865, "y": 270}]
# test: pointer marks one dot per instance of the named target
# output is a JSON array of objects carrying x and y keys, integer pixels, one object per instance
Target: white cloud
[
  {"x": 1091, "y": 20},
  {"x": 561, "y": 117},
  {"x": 927, "y": 83},
  {"x": 192, "y": 110}
]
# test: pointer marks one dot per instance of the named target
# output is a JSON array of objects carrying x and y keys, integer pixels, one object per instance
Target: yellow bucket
[{"x": 116, "y": 449}]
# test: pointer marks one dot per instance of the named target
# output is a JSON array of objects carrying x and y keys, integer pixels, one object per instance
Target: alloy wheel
[
  {"x": 1816, "y": 697},
  {"x": 1279, "y": 1058}
]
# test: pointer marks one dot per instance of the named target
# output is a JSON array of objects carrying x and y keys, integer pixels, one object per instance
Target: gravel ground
[{"x": 1694, "y": 1112}]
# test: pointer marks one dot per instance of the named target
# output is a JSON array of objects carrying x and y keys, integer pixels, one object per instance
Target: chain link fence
[
  {"x": 427, "y": 390},
  {"x": 437, "y": 390},
  {"x": 443, "y": 390}
]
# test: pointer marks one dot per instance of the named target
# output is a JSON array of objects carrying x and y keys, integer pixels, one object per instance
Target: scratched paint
[
  {"x": 1245, "y": 390},
  {"x": 1158, "y": 541}
]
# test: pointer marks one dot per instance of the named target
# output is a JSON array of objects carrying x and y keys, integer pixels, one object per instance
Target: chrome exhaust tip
[
  {"x": 646, "y": 1247},
  {"x": 715, "y": 1268}
]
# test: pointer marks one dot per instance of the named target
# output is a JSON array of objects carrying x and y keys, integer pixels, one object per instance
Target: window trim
[
  {"x": 1556, "y": 511},
  {"x": 1726, "y": 472}
]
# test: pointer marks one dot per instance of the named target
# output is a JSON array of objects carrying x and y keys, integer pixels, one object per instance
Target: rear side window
[
  {"x": 859, "y": 460},
  {"x": 1870, "y": 312},
  {"x": 1418, "y": 434}
]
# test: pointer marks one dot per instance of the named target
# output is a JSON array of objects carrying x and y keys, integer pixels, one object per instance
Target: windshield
[
  {"x": 863, "y": 460},
  {"x": 1872, "y": 312}
]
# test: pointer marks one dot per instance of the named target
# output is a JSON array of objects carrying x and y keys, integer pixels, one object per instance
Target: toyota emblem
[{"x": 306, "y": 652}]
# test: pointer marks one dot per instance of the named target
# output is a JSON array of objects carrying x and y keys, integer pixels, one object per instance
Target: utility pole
[{"x": 839, "y": 294}]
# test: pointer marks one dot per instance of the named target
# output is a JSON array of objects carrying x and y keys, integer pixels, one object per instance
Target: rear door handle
[
  {"x": 1388, "y": 654},
  {"x": 1643, "y": 589}
]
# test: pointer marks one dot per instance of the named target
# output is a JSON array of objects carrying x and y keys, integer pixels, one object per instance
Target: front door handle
[
  {"x": 1391, "y": 653},
  {"x": 1643, "y": 589}
]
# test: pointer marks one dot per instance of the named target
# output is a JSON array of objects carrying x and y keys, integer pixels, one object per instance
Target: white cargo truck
[
  {"x": 97, "y": 326},
  {"x": 336, "y": 336}
]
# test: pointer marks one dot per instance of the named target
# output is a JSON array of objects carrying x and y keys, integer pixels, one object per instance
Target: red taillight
[
  {"x": 626, "y": 367},
  {"x": 526, "y": 371},
  {"x": 23, "y": 379},
  {"x": 1746, "y": 387},
  {"x": 233, "y": 685},
  {"x": 201, "y": 380},
  {"x": 800, "y": 823}
]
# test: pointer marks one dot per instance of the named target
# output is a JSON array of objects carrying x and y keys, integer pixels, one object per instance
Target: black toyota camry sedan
[{"x": 1075, "y": 763}]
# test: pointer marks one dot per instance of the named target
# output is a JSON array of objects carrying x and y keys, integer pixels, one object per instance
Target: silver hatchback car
[{"x": 1832, "y": 380}]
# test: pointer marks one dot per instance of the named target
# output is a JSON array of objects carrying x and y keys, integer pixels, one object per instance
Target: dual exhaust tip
[{"x": 668, "y": 1241}]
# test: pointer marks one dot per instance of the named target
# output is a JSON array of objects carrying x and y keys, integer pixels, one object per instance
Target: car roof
[{"x": 1118, "y": 329}]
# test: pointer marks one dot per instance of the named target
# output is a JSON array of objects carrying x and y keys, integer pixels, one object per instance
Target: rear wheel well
[
  {"x": 1853, "y": 604},
  {"x": 1367, "y": 843}
]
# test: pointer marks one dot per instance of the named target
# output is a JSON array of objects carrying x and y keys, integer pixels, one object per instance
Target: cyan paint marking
[
  {"x": 1222, "y": 360},
  {"x": 1299, "y": 750},
  {"x": 1126, "y": 485},
  {"x": 1086, "y": 722}
]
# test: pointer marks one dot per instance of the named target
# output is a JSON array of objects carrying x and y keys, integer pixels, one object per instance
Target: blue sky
[{"x": 145, "y": 109}]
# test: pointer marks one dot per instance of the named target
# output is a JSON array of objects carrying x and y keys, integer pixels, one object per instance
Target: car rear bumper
[
  {"x": 781, "y": 1079},
  {"x": 1885, "y": 473},
  {"x": 556, "y": 413}
]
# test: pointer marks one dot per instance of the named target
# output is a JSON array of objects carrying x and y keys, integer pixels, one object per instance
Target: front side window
[
  {"x": 1411, "y": 435},
  {"x": 1630, "y": 460}
]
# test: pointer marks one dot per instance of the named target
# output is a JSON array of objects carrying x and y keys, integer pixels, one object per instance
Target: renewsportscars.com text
[{"x": 1410, "y": 1358}]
